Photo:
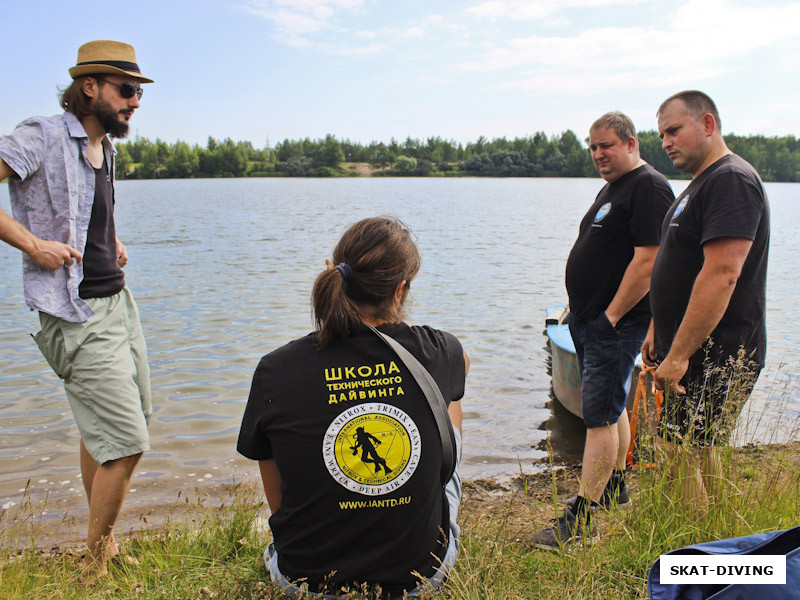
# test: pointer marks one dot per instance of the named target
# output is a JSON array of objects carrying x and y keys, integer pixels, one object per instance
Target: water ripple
[{"x": 218, "y": 288}]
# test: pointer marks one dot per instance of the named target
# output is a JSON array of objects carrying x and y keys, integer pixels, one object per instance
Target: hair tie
[{"x": 345, "y": 270}]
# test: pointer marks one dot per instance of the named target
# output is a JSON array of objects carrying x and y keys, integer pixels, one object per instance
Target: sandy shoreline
[
  {"x": 54, "y": 526},
  {"x": 523, "y": 502}
]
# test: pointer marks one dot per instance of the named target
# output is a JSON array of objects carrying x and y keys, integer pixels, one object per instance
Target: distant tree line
[{"x": 539, "y": 155}]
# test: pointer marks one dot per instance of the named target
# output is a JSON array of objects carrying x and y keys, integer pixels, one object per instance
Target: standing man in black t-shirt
[
  {"x": 61, "y": 184},
  {"x": 708, "y": 295},
  {"x": 608, "y": 277}
]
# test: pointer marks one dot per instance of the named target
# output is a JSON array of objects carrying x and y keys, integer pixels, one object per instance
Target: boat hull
[
  {"x": 566, "y": 378},
  {"x": 565, "y": 373}
]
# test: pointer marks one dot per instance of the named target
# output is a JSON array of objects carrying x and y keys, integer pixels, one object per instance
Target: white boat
[
  {"x": 565, "y": 374},
  {"x": 566, "y": 377}
]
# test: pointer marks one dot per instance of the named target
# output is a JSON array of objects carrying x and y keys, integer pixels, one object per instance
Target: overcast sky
[{"x": 374, "y": 69}]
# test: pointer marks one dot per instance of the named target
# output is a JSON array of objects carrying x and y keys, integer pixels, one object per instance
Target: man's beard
[{"x": 109, "y": 119}]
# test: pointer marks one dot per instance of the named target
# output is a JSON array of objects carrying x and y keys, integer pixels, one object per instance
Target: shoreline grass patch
[{"x": 215, "y": 551}]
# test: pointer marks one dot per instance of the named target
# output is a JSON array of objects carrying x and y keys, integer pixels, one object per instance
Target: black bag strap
[{"x": 434, "y": 396}]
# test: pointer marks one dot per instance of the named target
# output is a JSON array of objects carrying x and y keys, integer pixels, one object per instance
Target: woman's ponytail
[{"x": 373, "y": 257}]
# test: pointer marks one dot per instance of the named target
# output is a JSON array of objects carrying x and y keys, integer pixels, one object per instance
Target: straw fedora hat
[{"x": 107, "y": 56}]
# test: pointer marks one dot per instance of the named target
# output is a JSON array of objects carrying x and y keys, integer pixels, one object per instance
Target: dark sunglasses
[{"x": 127, "y": 89}]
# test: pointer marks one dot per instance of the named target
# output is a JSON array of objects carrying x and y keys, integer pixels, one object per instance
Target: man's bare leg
[
  {"x": 712, "y": 472},
  {"x": 599, "y": 458},
  {"x": 106, "y": 486},
  {"x": 682, "y": 467},
  {"x": 88, "y": 469},
  {"x": 624, "y": 440}
]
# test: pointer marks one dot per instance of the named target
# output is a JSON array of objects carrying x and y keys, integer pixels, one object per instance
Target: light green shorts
[{"x": 103, "y": 363}]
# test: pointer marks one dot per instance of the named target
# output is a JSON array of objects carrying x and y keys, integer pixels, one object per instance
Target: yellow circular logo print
[{"x": 372, "y": 449}]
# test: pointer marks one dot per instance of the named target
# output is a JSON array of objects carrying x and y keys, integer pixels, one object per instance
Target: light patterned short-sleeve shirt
[{"x": 52, "y": 196}]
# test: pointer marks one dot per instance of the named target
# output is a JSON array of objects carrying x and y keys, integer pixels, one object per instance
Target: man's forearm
[
  {"x": 634, "y": 285},
  {"x": 708, "y": 302},
  {"x": 14, "y": 234},
  {"x": 45, "y": 253},
  {"x": 723, "y": 260}
]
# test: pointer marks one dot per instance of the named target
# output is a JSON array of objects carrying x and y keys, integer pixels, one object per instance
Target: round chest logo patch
[
  {"x": 602, "y": 212},
  {"x": 372, "y": 449},
  {"x": 681, "y": 207}
]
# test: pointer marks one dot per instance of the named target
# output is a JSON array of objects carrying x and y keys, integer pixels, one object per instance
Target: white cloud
[
  {"x": 412, "y": 32},
  {"x": 491, "y": 10},
  {"x": 433, "y": 19},
  {"x": 701, "y": 42},
  {"x": 584, "y": 82},
  {"x": 293, "y": 20},
  {"x": 694, "y": 40},
  {"x": 347, "y": 50},
  {"x": 785, "y": 106},
  {"x": 438, "y": 80},
  {"x": 326, "y": 25},
  {"x": 538, "y": 9}
]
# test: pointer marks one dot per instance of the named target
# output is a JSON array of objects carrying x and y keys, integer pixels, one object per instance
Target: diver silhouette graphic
[{"x": 369, "y": 454}]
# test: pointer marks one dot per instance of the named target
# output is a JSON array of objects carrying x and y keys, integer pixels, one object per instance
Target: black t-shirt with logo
[
  {"x": 102, "y": 275},
  {"x": 726, "y": 200},
  {"x": 626, "y": 213},
  {"x": 359, "y": 454}
]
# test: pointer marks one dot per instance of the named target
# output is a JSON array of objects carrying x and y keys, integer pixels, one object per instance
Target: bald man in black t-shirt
[{"x": 708, "y": 290}]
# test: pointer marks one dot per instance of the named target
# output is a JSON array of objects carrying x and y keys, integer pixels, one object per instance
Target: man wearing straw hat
[{"x": 60, "y": 171}]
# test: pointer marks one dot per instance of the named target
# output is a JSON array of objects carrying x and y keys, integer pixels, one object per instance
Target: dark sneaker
[
  {"x": 566, "y": 529},
  {"x": 615, "y": 494}
]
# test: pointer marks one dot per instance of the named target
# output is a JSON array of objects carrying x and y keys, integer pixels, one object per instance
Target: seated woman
[{"x": 347, "y": 444}]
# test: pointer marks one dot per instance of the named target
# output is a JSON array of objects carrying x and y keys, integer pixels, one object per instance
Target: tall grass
[
  {"x": 215, "y": 551},
  {"x": 761, "y": 492},
  {"x": 758, "y": 489},
  {"x": 202, "y": 551}
]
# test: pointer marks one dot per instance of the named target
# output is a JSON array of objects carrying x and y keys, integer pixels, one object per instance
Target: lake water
[{"x": 223, "y": 269}]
